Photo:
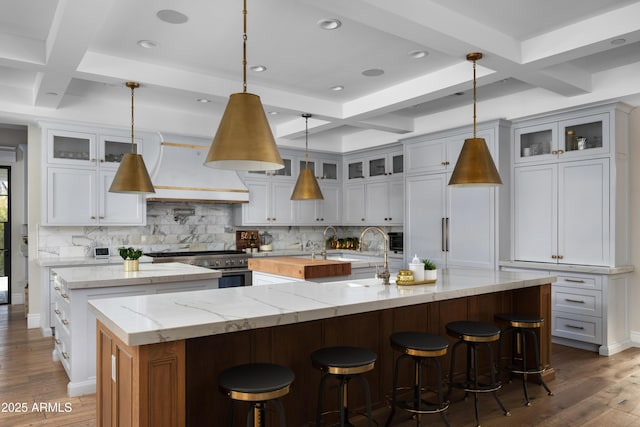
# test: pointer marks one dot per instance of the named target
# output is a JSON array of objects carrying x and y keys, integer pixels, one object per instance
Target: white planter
[{"x": 430, "y": 274}]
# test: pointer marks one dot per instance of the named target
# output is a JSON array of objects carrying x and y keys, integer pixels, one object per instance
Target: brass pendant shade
[
  {"x": 475, "y": 166},
  {"x": 244, "y": 140},
  {"x": 132, "y": 175},
  {"x": 306, "y": 187}
]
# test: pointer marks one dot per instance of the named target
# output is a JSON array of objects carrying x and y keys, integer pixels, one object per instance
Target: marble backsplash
[{"x": 209, "y": 228}]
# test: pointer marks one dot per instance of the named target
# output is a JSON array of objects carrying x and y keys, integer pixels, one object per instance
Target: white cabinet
[
  {"x": 374, "y": 164},
  {"x": 571, "y": 206},
  {"x": 454, "y": 226},
  {"x": 269, "y": 202},
  {"x": 79, "y": 169},
  {"x": 320, "y": 212},
  {"x": 374, "y": 203},
  {"x": 354, "y": 205},
  {"x": 561, "y": 212}
]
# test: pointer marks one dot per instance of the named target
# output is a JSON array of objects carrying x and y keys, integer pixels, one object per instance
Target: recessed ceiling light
[
  {"x": 273, "y": 113},
  {"x": 329, "y": 24},
  {"x": 459, "y": 93},
  {"x": 373, "y": 72},
  {"x": 172, "y": 16},
  {"x": 203, "y": 100},
  {"x": 417, "y": 54},
  {"x": 52, "y": 93},
  {"x": 617, "y": 42},
  {"x": 147, "y": 44},
  {"x": 337, "y": 88},
  {"x": 258, "y": 68}
]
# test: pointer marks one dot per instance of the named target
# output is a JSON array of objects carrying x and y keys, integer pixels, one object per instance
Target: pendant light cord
[
  {"x": 474, "y": 98},
  {"x": 306, "y": 139},
  {"x": 132, "y": 86},
  {"x": 244, "y": 49}
]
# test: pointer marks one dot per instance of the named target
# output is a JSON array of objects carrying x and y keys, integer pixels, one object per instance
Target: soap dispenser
[{"x": 418, "y": 268}]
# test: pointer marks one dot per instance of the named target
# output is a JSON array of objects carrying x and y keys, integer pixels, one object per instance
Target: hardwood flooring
[{"x": 589, "y": 390}]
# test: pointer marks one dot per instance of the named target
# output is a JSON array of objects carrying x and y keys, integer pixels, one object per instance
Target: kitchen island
[
  {"x": 74, "y": 325},
  {"x": 159, "y": 355}
]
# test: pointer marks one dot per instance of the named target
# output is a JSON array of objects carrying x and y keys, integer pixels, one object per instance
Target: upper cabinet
[
  {"x": 570, "y": 195},
  {"x": 572, "y": 138},
  {"x": 80, "y": 164},
  {"x": 374, "y": 164}
]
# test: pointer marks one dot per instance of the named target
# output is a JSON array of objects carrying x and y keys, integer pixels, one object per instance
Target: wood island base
[{"x": 175, "y": 383}]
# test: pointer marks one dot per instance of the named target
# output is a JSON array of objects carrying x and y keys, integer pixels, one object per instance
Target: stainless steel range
[{"x": 232, "y": 264}]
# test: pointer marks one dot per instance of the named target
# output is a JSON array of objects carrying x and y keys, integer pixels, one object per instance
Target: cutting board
[{"x": 300, "y": 268}]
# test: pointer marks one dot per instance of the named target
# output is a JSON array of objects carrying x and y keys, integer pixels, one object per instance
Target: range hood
[{"x": 180, "y": 176}]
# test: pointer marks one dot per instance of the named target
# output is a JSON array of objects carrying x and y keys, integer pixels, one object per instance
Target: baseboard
[
  {"x": 615, "y": 348},
  {"x": 17, "y": 298},
  {"x": 80, "y": 388},
  {"x": 635, "y": 339},
  {"x": 33, "y": 320},
  {"x": 576, "y": 344}
]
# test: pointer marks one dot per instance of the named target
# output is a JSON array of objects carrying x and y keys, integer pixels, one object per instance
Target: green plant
[
  {"x": 429, "y": 265},
  {"x": 130, "y": 253}
]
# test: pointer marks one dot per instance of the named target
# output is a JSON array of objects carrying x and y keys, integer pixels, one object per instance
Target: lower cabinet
[
  {"x": 590, "y": 311},
  {"x": 74, "y": 326}
]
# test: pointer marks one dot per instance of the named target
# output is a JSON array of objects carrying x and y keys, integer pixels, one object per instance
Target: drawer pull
[
  {"x": 65, "y": 354},
  {"x": 57, "y": 311},
  {"x": 58, "y": 341},
  {"x": 65, "y": 296},
  {"x": 65, "y": 322},
  {"x": 57, "y": 288},
  {"x": 574, "y": 300},
  {"x": 574, "y": 280},
  {"x": 574, "y": 327}
]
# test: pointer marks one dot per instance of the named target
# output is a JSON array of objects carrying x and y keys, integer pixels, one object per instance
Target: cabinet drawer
[
  {"x": 581, "y": 281},
  {"x": 579, "y": 301},
  {"x": 61, "y": 314},
  {"x": 62, "y": 346},
  {"x": 576, "y": 327}
]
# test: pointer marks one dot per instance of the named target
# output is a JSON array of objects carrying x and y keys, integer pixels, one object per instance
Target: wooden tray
[{"x": 420, "y": 282}]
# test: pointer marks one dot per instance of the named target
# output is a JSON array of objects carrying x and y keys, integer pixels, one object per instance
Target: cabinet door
[
  {"x": 583, "y": 212},
  {"x": 112, "y": 148},
  {"x": 281, "y": 203},
  {"x": 354, "y": 204},
  {"x": 257, "y": 210},
  {"x": 425, "y": 212},
  {"x": 535, "y": 143},
  {"x": 118, "y": 208},
  {"x": 396, "y": 202},
  {"x": 328, "y": 210},
  {"x": 428, "y": 156},
  {"x": 377, "y": 203},
  {"x": 585, "y": 136},
  {"x": 71, "y": 148},
  {"x": 71, "y": 196},
  {"x": 306, "y": 211},
  {"x": 470, "y": 226},
  {"x": 535, "y": 212}
]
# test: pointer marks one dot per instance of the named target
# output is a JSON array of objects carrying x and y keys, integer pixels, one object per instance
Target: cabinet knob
[
  {"x": 58, "y": 341},
  {"x": 65, "y": 322},
  {"x": 92, "y": 160},
  {"x": 361, "y": 219},
  {"x": 65, "y": 354},
  {"x": 554, "y": 256},
  {"x": 57, "y": 311},
  {"x": 101, "y": 160},
  {"x": 93, "y": 217},
  {"x": 560, "y": 151},
  {"x": 554, "y": 152},
  {"x": 101, "y": 216},
  {"x": 390, "y": 218},
  {"x": 560, "y": 256}
]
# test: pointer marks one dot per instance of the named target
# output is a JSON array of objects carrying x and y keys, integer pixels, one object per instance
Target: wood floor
[{"x": 589, "y": 390}]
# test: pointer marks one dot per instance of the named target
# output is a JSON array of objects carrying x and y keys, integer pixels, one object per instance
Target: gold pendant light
[
  {"x": 475, "y": 165},
  {"x": 132, "y": 176},
  {"x": 307, "y": 187},
  {"x": 244, "y": 140}
]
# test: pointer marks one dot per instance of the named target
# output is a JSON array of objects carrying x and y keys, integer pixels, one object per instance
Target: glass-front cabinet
[
  {"x": 374, "y": 164},
  {"x": 579, "y": 137},
  {"x": 355, "y": 170},
  {"x": 284, "y": 172},
  {"x": 85, "y": 149},
  {"x": 113, "y": 148},
  {"x": 385, "y": 164}
]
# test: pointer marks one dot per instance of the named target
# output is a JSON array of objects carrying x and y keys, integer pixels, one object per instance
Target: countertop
[
  {"x": 101, "y": 276},
  {"x": 69, "y": 261},
  {"x": 148, "y": 319},
  {"x": 569, "y": 268}
]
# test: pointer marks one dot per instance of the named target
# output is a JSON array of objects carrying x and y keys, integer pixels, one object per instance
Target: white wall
[
  {"x": 34, "y": 177},
  {"x": 634, "y": 214}
]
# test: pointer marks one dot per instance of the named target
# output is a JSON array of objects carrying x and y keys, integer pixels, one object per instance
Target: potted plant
[
  {"x": 130, "y": 257},
  {"x": 430, "y": 269}
]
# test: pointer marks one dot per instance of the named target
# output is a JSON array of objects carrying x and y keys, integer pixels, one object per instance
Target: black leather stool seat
[
  {"x": 473, "y": 331},
  {"x": 256, "y": 381},
  {"x": 344, "y": 360},
  {"x": 421, "y": 348},
  {"x": 521, "y": 320},
  {"x": 343, "y": 363},
  {"x": 257, "y": 384},
  {"x": 521, "y": 326},
  {"x": 419, "y": 344}
]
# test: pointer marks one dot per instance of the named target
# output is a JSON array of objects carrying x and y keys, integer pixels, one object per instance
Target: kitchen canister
[{"x": 417, "y": 267}]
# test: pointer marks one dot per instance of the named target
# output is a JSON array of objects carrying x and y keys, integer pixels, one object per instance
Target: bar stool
[
  {"x": 343, "y": 363},
  {"x": 473, "y": 334},
  {"x": 421, "y": 347},
  {"x": 256, "y": 383},
  {"x": 521, "y": 325}
]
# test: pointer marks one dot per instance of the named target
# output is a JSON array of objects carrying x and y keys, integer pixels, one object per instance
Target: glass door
[{"x": 5, "y": 236}]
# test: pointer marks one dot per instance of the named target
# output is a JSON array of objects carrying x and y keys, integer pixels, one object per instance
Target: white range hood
[{"x": 180, "y": 175}]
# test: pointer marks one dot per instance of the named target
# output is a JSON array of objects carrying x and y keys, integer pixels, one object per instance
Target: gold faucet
[
  {"x": 385, "y": 275},
  {"x": 324, "y": 239}
]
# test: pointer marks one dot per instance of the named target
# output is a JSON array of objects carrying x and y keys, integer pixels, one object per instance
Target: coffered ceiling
[{"x": 68, "y": 60}]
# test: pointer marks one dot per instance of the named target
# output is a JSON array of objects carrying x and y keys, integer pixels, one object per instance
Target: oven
[
  {"x": 396, "y": 242},
  {"x": 232, "y": 264}
]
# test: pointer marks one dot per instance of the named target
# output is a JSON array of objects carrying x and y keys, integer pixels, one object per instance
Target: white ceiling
[{"x": 68, "y": 60}]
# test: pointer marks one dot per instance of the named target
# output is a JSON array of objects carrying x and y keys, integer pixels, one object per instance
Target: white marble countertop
[
  {"x": 150, "y": 319},
  {"x": 570, "y": 268},
  {"x": 69, "y": 261},
  {"x": 100, "y": 276}
]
